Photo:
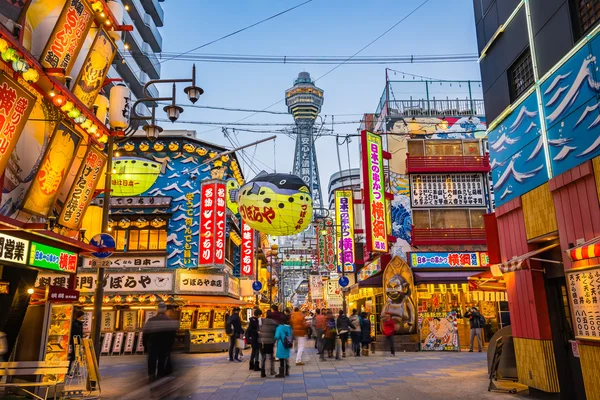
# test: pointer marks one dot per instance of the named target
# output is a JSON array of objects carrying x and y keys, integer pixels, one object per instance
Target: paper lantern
[
  {"x": 31, "y": 75},
  {"x": 74, "y": 113},
  {"x": 3, "y": 45},
  {"x": 276, "y": 204},
  {"x": 118, "y": 111},
  {"x": 101, "y": 108},
  {"x": 68, "y": 106},
  {"x": 80, "y": 119},
  {"x": 20, "y": 65},
  {"x": 133, "y": 176},
  {"x": 10, "y": 55}
]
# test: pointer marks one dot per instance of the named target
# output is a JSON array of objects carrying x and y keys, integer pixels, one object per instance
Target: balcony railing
[
  {"x": 447, "y": 236},
  {"x": 435, "y": 107},
  {"x": 155, "y": 10},
  {"x": 427, "y": 164}
]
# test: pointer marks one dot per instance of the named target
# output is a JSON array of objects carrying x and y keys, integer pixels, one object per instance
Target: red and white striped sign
[
  {"x": 247, "y": 268},
  {"x": 220, "y": 221},
  {"x": 207, "y": 224}
]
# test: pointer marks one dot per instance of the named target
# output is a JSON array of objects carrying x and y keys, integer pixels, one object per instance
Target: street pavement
[{"x": 414, "y": 376}]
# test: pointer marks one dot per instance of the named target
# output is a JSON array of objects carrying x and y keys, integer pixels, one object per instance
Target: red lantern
[{"x": 58, "y": 100}]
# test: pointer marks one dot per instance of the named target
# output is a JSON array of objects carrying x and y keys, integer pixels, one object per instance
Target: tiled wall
[
  {"x": 536, "y": 365},
  {"x": 590, "y": 367},
  {"x": 539, "y": 212}
]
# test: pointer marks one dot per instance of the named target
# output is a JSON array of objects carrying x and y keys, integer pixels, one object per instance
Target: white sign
[
  {"x": 194, "y": 282},
  {"x": 118, "y": 344},
  {"x": 134, "y": 202},
  {"x": 108, "y": 321},
  {"x": 129, "y": 342},
  {"x": 106, "y": 342},
  {"x": 449, "y": 190},
  {"x": 122, "y": 282},
  {"x": 140, "y": 344},
  {"x": 87, "y": 322},
  {"x": 334, "y": 293},
  {"x": 149, "y": 314},
  {"x": 13, "y": 249},
  {"x": 125, "y": 262},
  {"x": 316, "y": 287},
  {"x": 50, "y": 279},
  {"x": 234, "y": 286},
  {"x": 584, "y": 294}
]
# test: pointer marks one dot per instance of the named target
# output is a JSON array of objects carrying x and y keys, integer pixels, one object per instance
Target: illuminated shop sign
[
  {"x": 449, "y": 260},
  {"x": 13, "y": 249},
  {"x": 345, "y": 229},
  {"x": 212, "y": 224},
  {"x": 48, "y": 257},
  {"x": 369, "y": 270},
  {"x": 459, "y": 190},
  {"x": 374, "y": 178},
  {"x": 247, "y": 257}
]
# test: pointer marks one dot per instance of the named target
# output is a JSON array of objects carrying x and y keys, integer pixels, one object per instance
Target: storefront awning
[
  {"x": 374, "y": 281},
  {"x": 585, "y": 251},
  {"x": 521, "y": 262},
  {"x": 443, "y": 277},
  {"x": 487, "y": 281},
  {"x": 216, "y": 300}
]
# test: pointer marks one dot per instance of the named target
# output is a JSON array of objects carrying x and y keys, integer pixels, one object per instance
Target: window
[
  {"x": 120, "y": 239},
  {"x": 448, "y": 218},
  {"x": 142, "y": 239},
  {"x": 587, "y": 14},
  {"x": 471, "y": 148},
  {"x": 520, "y": 75},
  {"x": 421, "y": 218},
  {"x": 415, "y": 148},
  {"x": 229, "y": 250}
]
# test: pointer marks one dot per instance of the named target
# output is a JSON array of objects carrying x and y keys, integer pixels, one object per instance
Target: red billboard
[
  {"x": 247, "y": 257},
  {"x": 207, "y": 224},
  {"x": 220, "y": 221}
]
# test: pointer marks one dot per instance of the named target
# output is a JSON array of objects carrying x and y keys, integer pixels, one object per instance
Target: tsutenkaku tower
[{"x": 304, "y": 101}]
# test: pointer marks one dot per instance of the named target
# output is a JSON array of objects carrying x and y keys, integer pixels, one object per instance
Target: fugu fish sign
[{"x": 276, "y": 204}]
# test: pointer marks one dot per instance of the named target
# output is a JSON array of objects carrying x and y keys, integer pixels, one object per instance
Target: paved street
[{"x": 211, "y": 376}]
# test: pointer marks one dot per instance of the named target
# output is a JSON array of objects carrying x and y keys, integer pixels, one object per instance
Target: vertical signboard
[
  {"x": 94, "y": 69},
  {"x": 374, "y": 191},
  {"x": 68, "y": 36},
  {"x": 207, "y": 224},
  {"x": 247, "y": 250},
  {"x": 329, "y": 246},
  {"x": 220, "y": 221},
  {"x": 53, "y": 171},
  {"x": 188, "y": 233},
  {"x": 82, "y": 191},
  {"x": 15, "y": 106},
  {"x": 345, "y": 230}
]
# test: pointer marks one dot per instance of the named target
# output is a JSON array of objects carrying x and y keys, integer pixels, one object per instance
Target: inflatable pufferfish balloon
[
  {"x": 232, "y": 190},
  {"x": 276, "y": 204}
]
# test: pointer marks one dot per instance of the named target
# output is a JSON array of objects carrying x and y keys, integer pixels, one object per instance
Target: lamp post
[{"x": 152, "y": 132}]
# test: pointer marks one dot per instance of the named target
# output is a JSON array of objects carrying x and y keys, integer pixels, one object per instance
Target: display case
[
  {"x": 58, "y": 329},
  {"x": 206, "y": 340}
]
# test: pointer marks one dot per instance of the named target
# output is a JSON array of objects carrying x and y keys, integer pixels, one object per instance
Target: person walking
[
  {"x": 355, "y": 334},
  {"x": 276, "y": 315},
  {"x": 235, "y": 331},
  {"x": 252, "y": 338},
  {"x": 158, "y": 338},
  {"x": 330, "y": 334},
  {"x": 320, "y": 333},
  {"x": 76, "y": 331},
  {"x": 389, "y": 328},
  {"x": 266, "y": 338},
  {"x": 477, "y": 322},
  {"x": 343, "y": 328},
  {"x": 298, "y": 322},
  {"x": 365, "y": 333},
  {"x": 285, "y": 341}
]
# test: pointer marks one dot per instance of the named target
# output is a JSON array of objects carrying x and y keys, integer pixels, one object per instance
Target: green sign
[{"x": 48, "y": 257}]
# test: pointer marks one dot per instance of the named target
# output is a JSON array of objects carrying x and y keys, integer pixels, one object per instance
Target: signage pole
[{"x": 99, "y": 293}]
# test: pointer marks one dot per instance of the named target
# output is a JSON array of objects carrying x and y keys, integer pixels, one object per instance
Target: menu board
[
  {"x": 118, "y": 343},
  {"x": 219, "y": 319},
  {"x": 584, "y": 293},
  {"x": 460, "y": 190},
  {"x": 204, "y": 319},
  {"x": 59, "y": 328},
  {"x": 185, "y": 319},
  {"x": 129, "y": 320},
  {"x": 106, "y": 341},
  {"x": 108, "y": 321},
  {"x": 129, "y": 342}
]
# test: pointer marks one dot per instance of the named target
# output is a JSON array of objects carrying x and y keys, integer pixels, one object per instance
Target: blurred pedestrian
[
  {"x": 365, "y": 330},
  {"x": 320, "y": 333},
  {"x": 477, "y": 322},
  {"x": 355, "y": 334},
  {"x": 235, "y": 332},
  {"x": 76, "y": 331},
  {"x": 309, "y": 325},
  {"x": 276, "y": 315},
  {"x": 158, "y": 339},
  {"x": 330, "y": 334},
  {"x": 252, "y": 338},
  {"x": 343, "y": 329},
  {"x": 298, "y": 322},
  {"x": 389, "y": 328},
  {"x": 285, "y": 341},
  {"x": 266, "y": 338}
]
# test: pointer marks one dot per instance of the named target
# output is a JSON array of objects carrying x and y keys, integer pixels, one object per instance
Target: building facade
[
  {"x": 538, "y": 67},
  {"x": 348, "y": 179}
]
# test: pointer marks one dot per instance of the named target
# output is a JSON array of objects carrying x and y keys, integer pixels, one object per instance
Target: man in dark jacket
[
  {"x": 76, "y": 331},
  {"x": 343, "y": 329},
  {"x": 236, "y": 331},
  {"x": 266, "y": 338},
  {"x": 276, "y": 315},
  {"x": 158, "y": 338},
  {"x": 477, "y": 322},
  {"x": 252, "y": 338}
]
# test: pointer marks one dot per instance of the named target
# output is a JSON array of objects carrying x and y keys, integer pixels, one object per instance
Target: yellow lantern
[
  {"x": 174, "y": 146},
  {"x": 134, "y": 175},
  {"x": 3, "y": 45},
  {"x": 97, "y": 6},
  {"x": 86, "y": 124},
  {"x": 31, "y": 75},
  {"x": 276, "y": 204},
  {"x": 129, "y": 299},
  {"x": 68, "y": 106}
]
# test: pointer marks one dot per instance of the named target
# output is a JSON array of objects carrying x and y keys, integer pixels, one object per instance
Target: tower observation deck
[{"x": 304, "y": 101}]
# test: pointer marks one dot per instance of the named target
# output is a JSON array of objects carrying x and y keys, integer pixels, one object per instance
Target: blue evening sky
[{"x": 319, "y": 28}]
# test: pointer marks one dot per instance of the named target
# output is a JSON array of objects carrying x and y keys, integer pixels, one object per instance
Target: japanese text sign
[
  {"x": 68, "y": 36},
  {"x": 51, "y": 279},
  {"x": 448, "y": 190},
  {"x": 125, "y": 262},
  {"x": 207, "y": 224},
  {"x": 374, "y": 190},
  {"x": 584, "y": 295},
  {"x": 194, "y": 282},
  {"x": 247, "y": 256},
  {"x": 49, "y": 257},
  {"x": 117, "y": 282},
  {"x": 220, "y": 221},
  {"x": 369, "y": 270},
  {"x": 59, "y": 294},
  {"x": 448, "y": 260},
  {"x": 13, "y": 249},
  {"x": 83, "y": 188},
  {"x": 188, "y": 260},
  {"x": 344, "y": 216},
  {"x": 15, "y": 106}
]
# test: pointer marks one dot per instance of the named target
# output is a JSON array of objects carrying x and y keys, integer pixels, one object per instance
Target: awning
[
  {"x": 374, "y": 281},
  {"x": 521, "y": 262},
  {"x": 487, "y": 281},
  {"x": 586, "y": 251},
  {"x": 442, "y": 277},
  {"x": 217, "y": 300}
]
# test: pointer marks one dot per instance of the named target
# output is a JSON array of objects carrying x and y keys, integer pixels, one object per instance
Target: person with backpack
[
  {"x": 235, "y": 331},
  {"x": 343, "y": 328},
  {"x": 252, "y": 338},
  {"x": 355, "y": 334},
  {"x": 330, "y": 334},
  {"x": 365, "y": 333},
  {"x": 477, "y": 322},
  {"x": 285, "y": 341},
  {"x": 266, "y": 338},
  {"x": 389, "y": 328}
]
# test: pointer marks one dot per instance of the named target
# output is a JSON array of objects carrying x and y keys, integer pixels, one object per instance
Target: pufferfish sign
[{"x": 276, "y": 204}]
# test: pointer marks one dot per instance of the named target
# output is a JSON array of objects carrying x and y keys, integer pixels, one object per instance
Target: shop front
[{"x": 367, "y": 294}]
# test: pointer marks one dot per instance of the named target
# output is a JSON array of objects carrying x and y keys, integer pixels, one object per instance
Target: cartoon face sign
[
  {"x": 144, "y": 146},
  {"x": 276, "y": 204},
  {"x": 189, "y": 147},
  {"x": 232, "y": 187},
  {"x": 129, "y": 146},
  {"x": 201, "y": 151},
  {"x": 173, "y": 146},
  {"x": 158, "y": 146}
]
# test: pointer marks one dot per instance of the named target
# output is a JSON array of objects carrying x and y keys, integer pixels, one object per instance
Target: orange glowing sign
[
  {"x": 83, "y": 188},
  {"x": 94, "y": 70},
  {"x": 53, "y": 171},
  {"x": 15, "y": 106},
  {"x": 68, "y": 36}
]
